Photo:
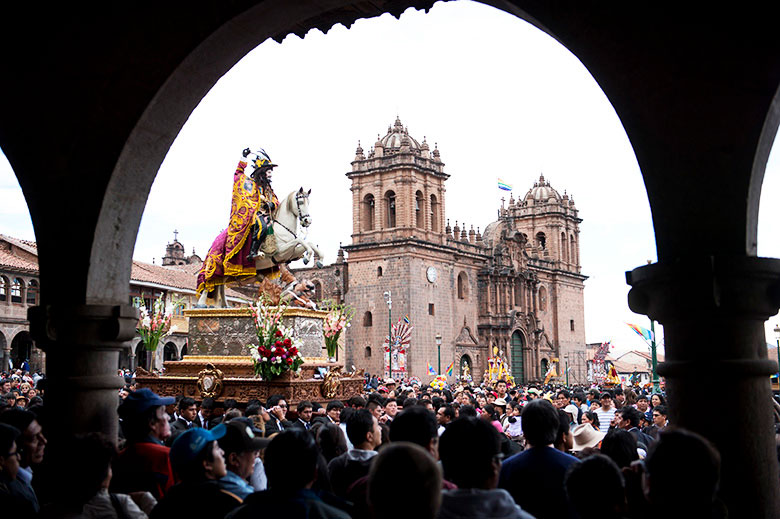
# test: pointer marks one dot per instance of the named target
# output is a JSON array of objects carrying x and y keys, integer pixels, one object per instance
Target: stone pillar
[
  {"x": 82, "y": 344},
  {"x": 713, "y": 310},
  {"x": 6, "y": 358}
]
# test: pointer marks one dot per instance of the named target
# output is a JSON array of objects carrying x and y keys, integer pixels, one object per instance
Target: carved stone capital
[
  {"x": 744, "y": 286},
  {"x": 98, "y": 326}
]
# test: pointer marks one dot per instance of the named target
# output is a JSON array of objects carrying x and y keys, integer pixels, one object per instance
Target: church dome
[
  {"x": 398, "y": 136},
  {"x": 542, "y": 192}
]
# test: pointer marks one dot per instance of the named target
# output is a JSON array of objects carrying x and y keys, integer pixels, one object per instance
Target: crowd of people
[{"x": 468, "y": 451}]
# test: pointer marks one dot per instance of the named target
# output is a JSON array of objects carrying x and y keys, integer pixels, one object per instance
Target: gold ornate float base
[{"x": 222, "y": 377}]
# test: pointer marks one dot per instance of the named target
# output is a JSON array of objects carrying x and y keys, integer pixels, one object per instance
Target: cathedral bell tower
[{"x": 397, "y": 190}]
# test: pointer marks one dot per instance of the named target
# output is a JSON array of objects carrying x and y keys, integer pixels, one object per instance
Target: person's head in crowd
[
  {"x": 196, "y": 456},
  {"x": 470, "y": 454},
  {"x": 5, "y": 386},
  {"x": 501, "y": 388},
  {"x": 291, "y": 460},
  {"x": 562, "y": 399},
  {"x": 31, "y": 442},
  {"x": 421, "y": 478},
  {"x": 642, "y": 404},
  {"x": 594, "y": 395},
  {"x": 207, "y": 408},
  {"x": 467, "y": 411},
  {"x": 391, "y": 407},
  {"x": 563, "y": 439},
  {"x": 606, "y": 400},
  {"x": 437, "y": 402},
  {"x": 331, "y": 441},
  {"x": 333, "y": 410},
  {"x": 629, "y": 417},
  {"x": 657, "y": 399},
  {"x": 9, "y": 452},
  {"x": 363, "y": 430},
  {"x": 231, "y": 403},
  {"x": 620, "y": 446},
  {"x": 241, "y": 445},
  {"x": 445, "y": 415},
  {"x": 591, "y": 418},
  {"x": 499, "y": 404},
  {"x": 277, "y": 406},
  {"x": 578, "y": 398},
  {"x": 187, "y": 408},
  {"x": 416, "y": 425},
  {"x": 481, "y": 400},
  {"x": 88, "y": 458},
  {"x": 682, "y": 474},
  {"x": 585, "y": 436},
  {"x": 660, "y": 413},
  {"x": 21, "y": 402},
  {"x": 305, "y": 410},
  {"x": 619, "y": 397},
  {"x": 409, "y": 402},
  {"x": 540, "y": 423},
  {"x": 357, "y": 402},
  {"x": 579, "y": 479},
  {"x": 375, "y": 408},
  {"x": 143, "y": 416}
]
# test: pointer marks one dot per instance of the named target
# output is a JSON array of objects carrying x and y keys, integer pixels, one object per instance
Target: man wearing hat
[
  {"x": 241, "y": 444},
  {"x": 144, "y": 465},
  {"x": 199, "y": 463}
]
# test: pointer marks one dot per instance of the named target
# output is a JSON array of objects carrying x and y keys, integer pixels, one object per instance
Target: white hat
[{"x": 586, "y": 436}]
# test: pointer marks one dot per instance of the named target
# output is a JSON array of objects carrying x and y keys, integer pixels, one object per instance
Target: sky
[{"x": 499, "y": 97}]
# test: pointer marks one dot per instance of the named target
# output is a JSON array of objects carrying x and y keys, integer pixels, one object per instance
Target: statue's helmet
[{"x": 262, "y": 160}]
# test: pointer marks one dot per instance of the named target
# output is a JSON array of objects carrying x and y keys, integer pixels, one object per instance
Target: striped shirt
[{"x": 605, "y": 418}]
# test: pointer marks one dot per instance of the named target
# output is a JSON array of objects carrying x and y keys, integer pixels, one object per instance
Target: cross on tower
[{"x": 175, "y": 235}]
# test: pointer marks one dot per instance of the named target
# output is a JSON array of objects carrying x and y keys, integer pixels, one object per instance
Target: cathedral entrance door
[{"x": 518, "y": 366}]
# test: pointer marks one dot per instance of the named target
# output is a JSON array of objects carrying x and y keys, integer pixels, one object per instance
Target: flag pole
[{"x": 656, "y": 384}]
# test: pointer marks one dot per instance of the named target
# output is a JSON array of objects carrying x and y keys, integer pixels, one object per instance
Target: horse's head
[{"x": 301, "y": 208}]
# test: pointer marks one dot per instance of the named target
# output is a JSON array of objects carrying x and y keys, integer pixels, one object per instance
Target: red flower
[
  {"x": 278, "y": 344},
  {"x": 287, "y": 342},
  {"x": 289, "y": 361},
  {"x": 278, "y": 333}
]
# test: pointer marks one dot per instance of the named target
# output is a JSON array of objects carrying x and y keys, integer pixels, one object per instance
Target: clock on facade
[{"x": 431, "y": 274}]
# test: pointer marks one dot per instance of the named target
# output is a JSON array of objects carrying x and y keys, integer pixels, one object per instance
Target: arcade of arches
[{"x": 697, "y": 101}]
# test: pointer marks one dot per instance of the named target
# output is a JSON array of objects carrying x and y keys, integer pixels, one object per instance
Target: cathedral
[{"x": 513, "y": 291}]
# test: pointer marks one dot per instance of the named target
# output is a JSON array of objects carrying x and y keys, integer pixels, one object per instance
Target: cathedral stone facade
[{"x": 517, "y": 288}]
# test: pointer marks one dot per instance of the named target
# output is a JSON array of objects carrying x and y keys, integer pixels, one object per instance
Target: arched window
[
  {"x": 463, "y": 282},
  {"x": 367, "y": 352},
  {"x": 419, "y": 209},
  {"x": 542, "y": 299},
  {"x": 516, "y": 357},
  {"x": 4, "y": 288},
  {"x": 170, "y": 353},
  {"x": 545, "y": 367},
  {"x": 32, "y": 293},
  {"x": 368, "y": 319},
  {"x": 573, "y": 251},
  {"x": 390, "y": 209},
  {"x": 564, "y": 243},
  {"x": 368, "y": 212},
  {"x": 465, "y": 366},
  {"x": 518, "y": 292},
  {"x": 379, "y": 272},
  {"x": 317, "y": 291},
  {"x": 434, "y": 206},
  {"x": 16, "y": 290},
  {"x": 541, "y": 240}
]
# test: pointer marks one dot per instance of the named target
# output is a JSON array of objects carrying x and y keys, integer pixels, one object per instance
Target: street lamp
[
  {"x": 777, "y": 336},
  {"x": 438, "y": 345},
  {"x": 389, "y": 301}
]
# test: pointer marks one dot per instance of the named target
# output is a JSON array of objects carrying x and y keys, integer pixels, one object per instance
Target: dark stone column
[
  {"x": 6, "y": 358},
  {"x": 713, "y": 310},
  {"x": 82, "y": 344}
]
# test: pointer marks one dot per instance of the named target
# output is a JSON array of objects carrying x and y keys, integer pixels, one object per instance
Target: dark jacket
[
  {"x": 204, "y": 499},
  {"x": 346, "y": 469},
  {"x": 300, "y": 504}
]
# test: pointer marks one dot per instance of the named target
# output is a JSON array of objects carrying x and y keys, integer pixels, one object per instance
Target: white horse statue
[{"x": 289, "y": 247}]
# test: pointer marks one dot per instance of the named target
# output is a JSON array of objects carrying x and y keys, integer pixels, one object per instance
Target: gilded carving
[
  {"x": 331, "y": 383},
  {"x": 210, "y": 382}
]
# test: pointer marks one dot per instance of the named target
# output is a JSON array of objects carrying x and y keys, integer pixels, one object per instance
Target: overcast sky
[{"x": 501, "y": 99}]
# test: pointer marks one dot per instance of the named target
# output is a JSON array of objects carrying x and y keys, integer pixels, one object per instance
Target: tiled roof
[
  {"x": 24, "y": 262},
  {"x": 180, "y": 276}
]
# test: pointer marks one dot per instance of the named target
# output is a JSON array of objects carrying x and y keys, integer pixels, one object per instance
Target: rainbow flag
[
  {"x": 431, "y": 371},
  {"x": 643, "y": 332},
  {"x": 450, "y": 368},
  {"x": 406, "y": 319},
  {"x": 503, "y": 185}
]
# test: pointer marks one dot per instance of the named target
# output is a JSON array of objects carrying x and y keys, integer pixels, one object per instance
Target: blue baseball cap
[
  {"x": 142, "y": 399},
  {"x": 191, "y": 442}
]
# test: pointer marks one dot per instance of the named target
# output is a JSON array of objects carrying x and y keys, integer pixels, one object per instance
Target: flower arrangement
[
  {"x": 277, "y": 349},
  {"x": 338, "y": 318},
  {"x": 155, "y": 325},
  {"x": 440, "y": 382}
]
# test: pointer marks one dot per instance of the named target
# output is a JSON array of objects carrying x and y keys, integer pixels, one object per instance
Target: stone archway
[
  {"x": 21, "y": 348},
  {"x": 700, "y": 111},
  {"x": 170, "y": 352}
]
